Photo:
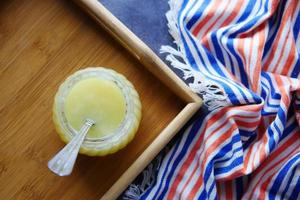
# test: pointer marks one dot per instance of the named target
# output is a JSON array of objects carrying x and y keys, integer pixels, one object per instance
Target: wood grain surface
[{"x": 41, "y": 43}]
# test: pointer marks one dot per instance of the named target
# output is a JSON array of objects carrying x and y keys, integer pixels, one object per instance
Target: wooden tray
[
  {"x": 154, "y": 64},
  {"x": 40, "y": 47},
  {"x": 157, "y": 139}
]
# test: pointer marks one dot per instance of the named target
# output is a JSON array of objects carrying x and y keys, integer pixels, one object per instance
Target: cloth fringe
[
  {"x": 135, "y": 191},
  {"x": 213, "y": 96}
]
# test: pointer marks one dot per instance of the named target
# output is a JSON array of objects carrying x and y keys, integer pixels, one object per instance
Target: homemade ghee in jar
[{"x": 107, "y": 98}]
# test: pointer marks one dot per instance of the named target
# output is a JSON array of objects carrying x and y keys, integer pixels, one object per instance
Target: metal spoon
[{"x": 63, "y": 162}]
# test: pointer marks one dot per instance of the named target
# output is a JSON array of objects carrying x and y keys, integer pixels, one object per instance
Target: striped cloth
[{"x": 243, "y": 58}]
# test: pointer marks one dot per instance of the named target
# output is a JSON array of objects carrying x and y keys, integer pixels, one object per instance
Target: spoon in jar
[{"x": 63, "y": 162}]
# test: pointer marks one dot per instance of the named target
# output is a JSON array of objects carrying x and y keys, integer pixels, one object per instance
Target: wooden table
[{"x": 41, "y": 43}]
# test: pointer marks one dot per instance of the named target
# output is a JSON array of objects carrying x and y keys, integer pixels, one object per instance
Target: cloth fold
[{"x": 243, "y": 58}]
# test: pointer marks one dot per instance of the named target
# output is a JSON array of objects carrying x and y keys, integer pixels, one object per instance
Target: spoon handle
[{"x": 63, "y": 162}]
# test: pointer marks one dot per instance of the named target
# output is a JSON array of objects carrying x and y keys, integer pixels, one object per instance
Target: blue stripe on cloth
[
  {"x": 210, "y": 170},
  {"x": 226, "y": 149},
  {"x": 296, "y": 191},
  {"x": 280, "y": 118},
  {"x": 219, "y": 161},
  {"x": 292, "y": 176},
  {"x": 269, "y": 105},
  {"x": 296, "y": 28},
  {"x": 243, "y": 74},
  {"x": 289, "y": 129},
  {"x": 247, "y": 11},
  {"x": 273, "y": 92},
  {"x": 281, "y": 175},
  {"x": 274, "y": 23},
  {"x": 271, "y": 142},
  {"x": 274, "y": 96},
  {"x": 212, "y": 187},
  {"x": 144, "y": 196},
  {"x": 218, "y": 50},
  {"x": 202, "y": 196},
  {"x": 189, "y": 140},
  {"x": 296, "y": 71},
  {"x": 232, "y": 165},
  {"x": 194, "y": 130},
  {"x": 198, "y": 14}
]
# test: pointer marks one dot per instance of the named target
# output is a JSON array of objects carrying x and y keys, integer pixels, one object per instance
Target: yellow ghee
[{"x": 97, "y": 99}]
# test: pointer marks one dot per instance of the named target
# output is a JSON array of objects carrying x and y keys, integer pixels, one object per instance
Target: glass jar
[{"x": 118, "y": 138}]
